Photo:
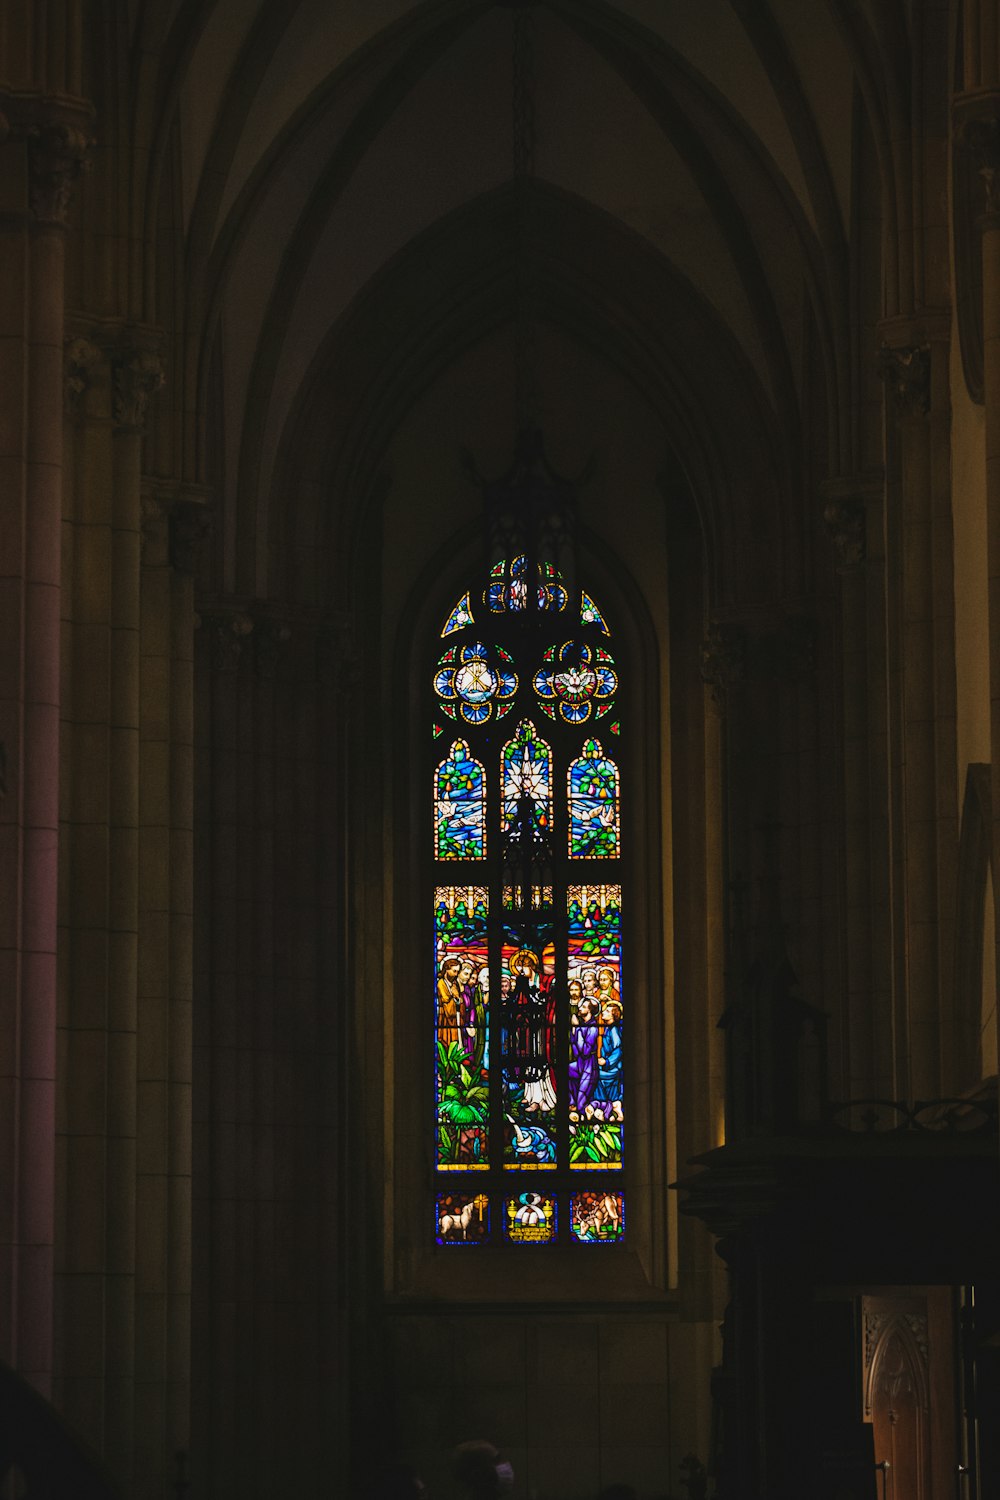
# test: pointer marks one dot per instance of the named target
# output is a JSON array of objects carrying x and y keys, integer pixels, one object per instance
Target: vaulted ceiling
[{"x": 734, "y": 153}]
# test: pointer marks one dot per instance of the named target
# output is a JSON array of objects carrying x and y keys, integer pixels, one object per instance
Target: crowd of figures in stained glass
[{"x": 529, "y": 1008}]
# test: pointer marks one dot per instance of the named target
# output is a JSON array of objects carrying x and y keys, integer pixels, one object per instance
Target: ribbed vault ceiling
[{"x": 318, "y": 143}]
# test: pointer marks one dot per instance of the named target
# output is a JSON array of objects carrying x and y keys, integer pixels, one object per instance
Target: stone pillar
[
  {"x": 763, "y": 681},
  {"x": 922, "y": 704},
  {"x": 861, "y": 1038},
  {"x": 111, "y": 374},
  {"x": 175, "y": 523},
  {"x": 42, "y": 147},
  {"x": 273, "y": 1016},
  {"x": 977, "y": 124}
]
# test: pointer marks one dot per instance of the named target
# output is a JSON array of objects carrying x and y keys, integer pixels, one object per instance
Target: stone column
[
  {"x": 922, "y": 703},
  {"x": 273, "y": 1014},
  {"x": 978, "y": 125},
  {"x": 175, "y": 523},
  {"x": 99, "y": 891},
  {"x": 861, "y": 1038},
  {"x": 42, "y": 147},
  {"x": 763, "y": 680}
]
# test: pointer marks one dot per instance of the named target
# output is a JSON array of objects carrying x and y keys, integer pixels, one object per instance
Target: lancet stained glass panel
[
  {"x": 529, "y": 1089},
  {"x": 462, "y": 1028},
  {"x": 596, "y": 1012},
  {"x": 460, "y": 806},
  {"x": 594, "y": 822}
]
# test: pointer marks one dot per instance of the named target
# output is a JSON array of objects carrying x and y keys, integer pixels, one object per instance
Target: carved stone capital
[
  {"x": 136, "y": 374},
  {"x": 906, "y": 370},
  {"x": 153, "y": 519},
  {"x": 190, "y": 529},
  {"x": 338, "y": 660},
  {"x": 79, "y": 357},
  {"x": 227, "y": 634},
  {"x": 58, "y": 151},
  {"x": 270, "y": 637},
  {"x": 977, "y": 131},
  {"x": 789, "y": 652},
  {"x": 845, "y": 519},
  {"x": 723, "y": 659}
]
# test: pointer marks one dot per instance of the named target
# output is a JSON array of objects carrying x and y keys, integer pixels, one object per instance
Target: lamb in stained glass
[
  {"x": 576, "y": 682},
  {"x": 469, "y": 687}
]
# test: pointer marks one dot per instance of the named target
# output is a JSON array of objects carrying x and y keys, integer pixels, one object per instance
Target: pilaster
[
  {"x": 110, "y": 373},
  {"x": 978, "y": 127},
  {"x": 273, "y": 1037},
  {"x": 921, "y": 675},
  {"x": 43, "y": 144}
]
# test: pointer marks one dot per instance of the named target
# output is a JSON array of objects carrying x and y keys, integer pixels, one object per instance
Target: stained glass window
[
  {"x": 529, "y": 1005},
  {"x": 460, "y": 806},
  {"x": 594, "y": 831}
]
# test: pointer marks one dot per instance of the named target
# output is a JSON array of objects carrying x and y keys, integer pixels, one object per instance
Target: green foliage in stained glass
[
  {"x": 594, "y": 820},
  {"x": 460, "y": 806}
]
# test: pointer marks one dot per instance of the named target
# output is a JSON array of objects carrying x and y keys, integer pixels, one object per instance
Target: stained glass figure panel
[
  {"x": 526, "y": 772},
  {"x": 597, "y": 1218},
  {"x": 594, "y": 1074},
  {"x": 530, "y": 1218},
  {"x": 460, "y": 806},
  {"x": 528, "y": 1016},
  {"x": 508, "y": 587},
  {"x": 462, "y": 1218},
  {"x": 594, "y": 817},
  {"x": 461, "y": 966}
]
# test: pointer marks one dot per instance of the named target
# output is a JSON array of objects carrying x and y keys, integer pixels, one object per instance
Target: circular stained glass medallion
[
  {"x": 576, "y": 682},
  {"x": 469, "y": 685}
]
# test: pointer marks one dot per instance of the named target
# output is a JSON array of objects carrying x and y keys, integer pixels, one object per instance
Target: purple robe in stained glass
[{"x": 582, "y": 1068}]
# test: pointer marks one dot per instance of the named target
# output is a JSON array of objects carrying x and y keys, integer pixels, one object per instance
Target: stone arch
[{"x": 602, "y": 285}]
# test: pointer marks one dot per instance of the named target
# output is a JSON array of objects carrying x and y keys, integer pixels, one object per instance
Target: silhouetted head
[{"x": 482, "y": 1470}]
